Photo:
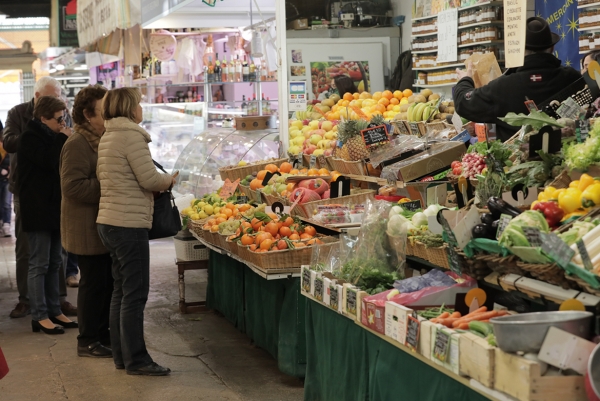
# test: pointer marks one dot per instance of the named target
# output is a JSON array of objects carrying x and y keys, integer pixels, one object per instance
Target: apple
[
  {"x": 326, "y": 194},
  {"x": 294, "y": 149},
  {"x": 305, "y": 121},
  {"x": 328, "y": 135},
  {"x": 318, "y": 152},
  {"x": 295, "y": 132},
  {"x": 314, "y": 139},
  {"x": 314, "y": 124},
  {"x": 326, "y": 125},
  {"x": 298, "y": 124},
  {"x": 328, "y": 152},
  {"x": 306, "y": 129},
  {"x": 310, "y": 149},
  {"x": 298, "y": 141},
  {"x": 323, "y": 144},
  {"x": 333, "y": 144}
]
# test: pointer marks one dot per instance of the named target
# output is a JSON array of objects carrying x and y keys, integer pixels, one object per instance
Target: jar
[{"x": 422, "y": 78}]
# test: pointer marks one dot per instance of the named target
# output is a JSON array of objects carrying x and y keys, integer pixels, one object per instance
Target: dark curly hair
[{"x": 86, "y": 100}]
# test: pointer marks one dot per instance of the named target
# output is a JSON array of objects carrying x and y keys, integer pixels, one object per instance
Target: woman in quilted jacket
[{"x": 127, "y": 179}]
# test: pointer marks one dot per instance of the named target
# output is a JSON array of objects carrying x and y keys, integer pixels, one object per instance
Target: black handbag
[{"x": 165, "y": 220}]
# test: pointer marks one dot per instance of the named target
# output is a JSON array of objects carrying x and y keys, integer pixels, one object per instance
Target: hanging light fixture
[{"x": 257, "y": 43}]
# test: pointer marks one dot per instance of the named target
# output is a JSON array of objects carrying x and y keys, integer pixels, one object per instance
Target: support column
[
  {"x": 27, "y": 84},
  {"x": 282, "y": 68}
]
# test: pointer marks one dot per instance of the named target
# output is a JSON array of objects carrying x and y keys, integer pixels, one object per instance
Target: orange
[
  {"x": 290, "y": 186},
  {"x": 230, "y": 206},
  {"x": 261, "y": 237},
  {"x": 266, "y": 244},
  {"x": 294, "y": 236},
  {"x": 394, "y": 101},
  {"x": 303, "y": 171},
  {"x": 256, "y": 184},
  {"x": 211, "y": 222},
  {"x": 313, "y": 171},
  {"x": 294, "y": 171},
  {"x": 377, "y": 95},
  {"x": 261, "y": 174},
  {"x": 221, "y": 220},
  {"x": 247, "y": 240},
  {"x": 387, "y": 94},
  {"x": 227, "y": 212},
  {"x": 356, "y": 95},
  {"x": 273, "y": 216},
  {"x": 398, "y": 95},
  {"x": 281, "y": 244},
  {"x": 272, "y": 228},
  {"x": 252, "y": 247},
  {"x": 305, "y": 236},
  {"x": 314, "y": 241},
  {"x": 384, "y": 101},
  {"x": 379, "y": 108},
  {"x": 285, "y": 167},
  {"x": 244, "y": 207},
  {"x": 345, "y": 103},
  {"x": 348, "y": 97},
  {"x": 214, "y": 228},
  {"x": 288, "y": 221},
  {"x": 334, "y": 175},
  {"x": 285, "y": 231},
  {"x": 271, "y": 167},
  {"x": 407, "y": 92},
  {"x": 299, "y": 245},
  {"x": 310, "y": 230},
  {"x": 323, "y": 171}
]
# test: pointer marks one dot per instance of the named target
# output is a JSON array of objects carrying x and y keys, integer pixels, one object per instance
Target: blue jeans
[
  {"x": 130, "y": 252},
  {"x": 5, "y": 202},
  {"x": 71, "y": 269},
  {"x": 45, "y": 259}
]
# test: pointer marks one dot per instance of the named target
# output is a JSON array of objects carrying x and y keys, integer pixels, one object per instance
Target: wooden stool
[{"x": 182, "y": 266}]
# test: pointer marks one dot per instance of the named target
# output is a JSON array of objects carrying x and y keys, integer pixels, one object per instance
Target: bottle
[
  {"x": 238, "y": 70},
  {"x": 244, "y": 105},
  {"x": 217, "y": 75},
  {"x": 224, "y": 71},
  {"x": 209, "y": 52},
  {"x": 263, "y": 71},
  {"x": 254, "y": 105},
  {"x": 245, "y": 71},
  {"x": 211, "y": 70},
  {"x": 231, "y": 74},
  {"x": 268, "y": 107},
  {"x": 194, "y": 94},
  {"x": 253, "y": 72}
]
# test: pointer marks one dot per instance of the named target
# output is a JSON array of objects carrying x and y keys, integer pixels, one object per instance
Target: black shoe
[
  {"x": 154, "y": 369},
  {"x": 119, "y": 366},
  {"x": 36, "y": 327},
  {"x": 21, "y": 310},
  {"x": 69, "y": 325},
  {"x": 94, "y": 350},
  {"x": 68, "y": 309}
]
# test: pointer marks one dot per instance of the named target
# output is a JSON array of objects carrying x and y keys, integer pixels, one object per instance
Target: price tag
[
  {"x": 333, "y": 297},
  {"x": 556, "y": 249},
  {"x": 375, "y": 135},
  {"x": 229, "y": 188},
  {"x": 531, "y": 106},
  {"x": 351, "y": 301},
  {"x": 306, "y": 280},
  {"x": 319, "y": 289},
  {"x": 313, "y": 161},
  {"x": 413, "y": 327},
  {"x": 502, "y": 223},
  {"x": 582, "y": 130},
  {"x": 442, "y": 342},
  {"x": 241, "y": 200},
  {"x": 414, "y": 129},
  {"x": 454, "y": 260},
  {"x": 412, "y": 205},
  {"x": 533, "y": 236},
  {"x": 585, "y": 256},
  {"x": 321, "y": 161},
  {"x": 569, "y": 109},
  {"x": 457, "y": 122},
  {"x": 446, "y": 226}
]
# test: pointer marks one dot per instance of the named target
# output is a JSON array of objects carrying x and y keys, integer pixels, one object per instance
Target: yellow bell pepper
[
  {"x": 558, "y": 192},
  {"x": 570, "y": 200},
  {"x": 533, "y": 204},
  {"x": 591, "y": 196},
  {"x": 549, "y": 190},
  {"x": 585, "y": 181},
  {"x": 578, "y": 213},
  {"x": 574, "y": 184},
  {"x": 543, "y": 197}
]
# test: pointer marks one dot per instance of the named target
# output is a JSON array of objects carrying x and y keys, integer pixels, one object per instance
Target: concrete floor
[{"x": 209, "y": 358}]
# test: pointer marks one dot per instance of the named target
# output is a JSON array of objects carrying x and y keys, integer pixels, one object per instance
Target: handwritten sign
[
  {"x": 351, "y": 301},
  {"x": 412, "y": 205},
  {"x": 515, "y": 20},
  {"x": 413, "y": 327},
  {"x": 306, "y": 280},
  {"x": 447, "y": 36},
  {"x": 569, "y": 109},
  {"x": 440, "y": 350},
  {"x": 375, "y": 135},
  {"x": 556, "y": 249},
  {"x": 229, "y": 188},
  {"x": 414, "y": 129},
  {"x": 312, "y": 161},
  {"x": 585, "y": 256},
  {"x": 333, "y": 297},
  {"x": 502, "y": 223},
  {"x": 533, "y": 236}
]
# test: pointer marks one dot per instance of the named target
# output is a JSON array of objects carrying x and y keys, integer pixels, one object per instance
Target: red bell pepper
[{"x": 551, "y": 211}]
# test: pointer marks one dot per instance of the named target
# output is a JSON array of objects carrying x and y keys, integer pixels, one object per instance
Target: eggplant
[
  {"x": 487, "y": 218},
  {"x": 497, "y": 207},
  {"x": 481, "y": 231}
]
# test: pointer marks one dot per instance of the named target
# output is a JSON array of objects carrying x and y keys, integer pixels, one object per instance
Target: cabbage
[
  {"x": 397, "y": 225},
  {"x": 432, "y": 210},
  {"x": 513, "y": 234},
  {"x": 395, "y": 210}
]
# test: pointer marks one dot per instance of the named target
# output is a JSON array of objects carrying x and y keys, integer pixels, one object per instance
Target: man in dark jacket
[
  {"x": 538, "y": 79},
  {"x": 16, "y": 121}
]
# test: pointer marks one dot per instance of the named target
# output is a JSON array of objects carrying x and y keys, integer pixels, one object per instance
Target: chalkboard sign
[
  {"x": 319, "y": 289},
  {"x": 413, "y": 206},
  {"x": 556, "y": 249},
  {"x": 351, "y": 301},
  {"x": 375, "y": 135},
  {"x": 268, "y": 177},
  {"x": 533, "y": 236},
  {"x": 306, "y": 280},
  {"x": 502, "y": 223},
  {"x": 333, "y": 297},
  {"x": 413, "y": 327},
  {"x": 241, "y": 200},
  {"x": 585, "y": 256},
  {"x": 414, "y": 129},
  {"x": 441, "y": 347}
]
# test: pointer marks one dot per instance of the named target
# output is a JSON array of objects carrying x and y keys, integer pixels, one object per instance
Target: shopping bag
[
  {"x": 3, "y": 365},
  {"x": 165, "y": 220}
]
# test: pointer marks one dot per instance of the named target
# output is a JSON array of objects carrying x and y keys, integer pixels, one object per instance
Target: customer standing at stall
[
  {"x": 16, "y": 122},
  {"x": 127, "y": 178},
  {"x": 540, "y": 77},
  {"x": 39, "y": 186},
  {"x": 79, "y": 209}
]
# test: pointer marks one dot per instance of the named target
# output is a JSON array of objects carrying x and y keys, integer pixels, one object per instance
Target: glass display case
[{"x": 199, "y": 162}]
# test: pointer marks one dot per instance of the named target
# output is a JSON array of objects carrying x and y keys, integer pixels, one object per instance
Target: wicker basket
[
  {"x": 501, "y": 264},
  {"x": 410, "y": 247},
  {"x": 318, "y": 163},
  {"x": 356, "y": 168},
  {"x": 548, "y": 272},
  {"x": 420, "y": 251},
  {"x": 243, "y": 252},
  {"x": 270, "y": 199},
  {"x": 438, "y": 256},
  {"x": 190, "y": 250},
  {"x": 251, "y": 194},
  {"x": 231, "y": 246},
  {"x": 288, "y": 258},
  {"x": 212, "y": 238},
  {"x": 195, "y": 227},
  {"x": 478, "y": 269},
  {"x": 339, "y": 165},
  {"x": 583, "y": 284},
  {"x": 307, "y": 210},
  {"x": 233, "y": 173},
  {"x": 561, "y": 181}
]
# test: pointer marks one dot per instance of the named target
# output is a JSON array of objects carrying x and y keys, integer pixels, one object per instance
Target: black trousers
[{"x": 93, "y": 299}]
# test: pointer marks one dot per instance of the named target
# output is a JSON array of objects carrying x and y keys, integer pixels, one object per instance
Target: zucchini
[{"x": 483, "y": 328}]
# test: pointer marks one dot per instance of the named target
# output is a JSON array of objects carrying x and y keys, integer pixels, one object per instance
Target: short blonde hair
[{"x": 121, "y": 102}]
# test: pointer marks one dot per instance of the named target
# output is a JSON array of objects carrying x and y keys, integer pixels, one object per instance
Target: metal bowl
[{"x": 526, "y": 332}]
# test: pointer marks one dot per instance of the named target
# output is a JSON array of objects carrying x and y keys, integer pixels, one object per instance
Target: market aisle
[{"x": 209, "y": 358}]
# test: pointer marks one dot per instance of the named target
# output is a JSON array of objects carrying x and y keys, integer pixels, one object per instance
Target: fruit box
[
  {"x": 452, "y": 362},
  {"x": 396, "y": 317},
  {"x": 522, "y": 379},
  {"x": 477, "y": 359},
  {"x": 425, "y": 337},
  {"x": 437, "y": 157}
]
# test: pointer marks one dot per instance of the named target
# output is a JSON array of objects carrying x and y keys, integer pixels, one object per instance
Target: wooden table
[{"x": 182, "y": 266}]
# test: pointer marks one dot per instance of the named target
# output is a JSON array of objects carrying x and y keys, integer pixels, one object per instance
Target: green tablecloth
[
  {"x": 268, "y": 311},
  {"x": 346, "y": 362}
]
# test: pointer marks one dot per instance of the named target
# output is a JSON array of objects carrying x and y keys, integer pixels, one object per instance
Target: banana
[
  {"x": 427, "y": 113},
  {"x": 419, "y": 112},
  {"x": 410, "y": 112}
]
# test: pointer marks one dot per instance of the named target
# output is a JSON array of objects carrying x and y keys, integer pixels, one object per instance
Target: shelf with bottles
[{"x": 587, "y": 4}]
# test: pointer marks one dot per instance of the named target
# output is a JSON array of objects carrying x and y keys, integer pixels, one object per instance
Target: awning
[{"x": 99, "y": 22}]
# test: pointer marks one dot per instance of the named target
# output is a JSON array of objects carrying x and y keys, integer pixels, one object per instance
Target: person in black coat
[
  {"x": 540, "y": 78},
  {"x": 39, "y": 152}
]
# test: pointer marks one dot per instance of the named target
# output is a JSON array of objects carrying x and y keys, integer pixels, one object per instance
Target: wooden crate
[
  {"x": 520, "y": 378},
  {"x": 477, "y": 359}
]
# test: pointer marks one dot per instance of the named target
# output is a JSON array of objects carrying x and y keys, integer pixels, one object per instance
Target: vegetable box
[
  {"x": 425, "y": 337},
  {"x": 396, "y": 317},
  {"x": 452, "y": 359},
  {"x": 477, "y": 359}
]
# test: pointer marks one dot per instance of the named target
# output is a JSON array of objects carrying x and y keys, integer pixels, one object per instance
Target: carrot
[
  {"x": 448, "y": 322},
  {"x": 479, "y": 316},
  {"x": 444, "y": 315},
  {"x": 464, "y": 326},
  {"x": 434, "y": 320},
  {"x": 482, "y": 309},
  {"x": 456, "y": 315}
]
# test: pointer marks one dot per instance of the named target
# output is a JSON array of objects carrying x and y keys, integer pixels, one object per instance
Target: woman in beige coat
[
  {"x": 127, "y": 179},
  {"x": 79, "y": 234}
]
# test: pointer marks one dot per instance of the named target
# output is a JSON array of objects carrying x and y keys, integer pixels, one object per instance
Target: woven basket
[
  {"x": 478, "y": 269},
  {"x": 288, "y": 258},
  {"x": 501, "y": 265},
  {"x": 233, "y": 173},
  {"x": 339, "y": 165},
  {"x": 212, "y": 238},
  {"x": 583, "y": 284},
  {"x": 548, "y": 272},
  {"x": 307, "y": 210},
  {"x": 231, "y": 246},
  {"x": 561, "y": 181},
  {"x": 243, "y": 252},
  {"x": 420, "y": 250},
  {"x": 318, "y": 163},
  {"x": 410, "y": 247},
  {"x": 195, "y": 227},
  {"x": 270, "y": 199},
  {"x": 438, "y": 256},
  {"x": 356, "y": 168},
  {"x": 251, "y": 194}
]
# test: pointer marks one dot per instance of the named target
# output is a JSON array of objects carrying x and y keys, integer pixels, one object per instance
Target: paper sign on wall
[
  {"x": 447, "y": 35},
  {"x": 297, "y": 96},
  {"x": 515, "y": 20}
]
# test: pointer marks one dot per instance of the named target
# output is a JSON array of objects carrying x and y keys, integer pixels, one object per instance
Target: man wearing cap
[{"x": 540, "y": 77}]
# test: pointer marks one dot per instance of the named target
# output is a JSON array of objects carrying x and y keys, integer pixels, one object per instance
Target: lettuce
[{"x": 513, "y": 234}]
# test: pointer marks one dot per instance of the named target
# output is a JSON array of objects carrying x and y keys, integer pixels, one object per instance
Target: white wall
[{"x": 404, "y": 7}]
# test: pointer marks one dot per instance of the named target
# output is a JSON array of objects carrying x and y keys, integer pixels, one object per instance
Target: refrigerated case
[{"x": 199, "y": 162}]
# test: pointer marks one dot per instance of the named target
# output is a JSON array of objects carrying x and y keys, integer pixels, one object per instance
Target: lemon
[
  {"x": 202, "y": 215},
  {"x": 242, "y": 163},
  {"x": 208, "y": 209},
  {"x": 186, "y": 211},
  {"x": 216, "y": 209},
  {"x": 195, "y": 216}
]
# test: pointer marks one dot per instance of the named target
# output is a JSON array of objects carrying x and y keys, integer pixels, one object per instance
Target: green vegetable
[
  {"x": 513, "y": 234},
  {"x": 577, "y": 231},
  {"x": 491, "y": 339},
  {"x": 430, "y": 240},
  {"x": 537, "y": 119},
  {"x": 483, "y": 328}
]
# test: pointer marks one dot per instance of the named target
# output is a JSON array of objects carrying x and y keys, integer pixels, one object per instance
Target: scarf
[{"x": 89, "y": 134}]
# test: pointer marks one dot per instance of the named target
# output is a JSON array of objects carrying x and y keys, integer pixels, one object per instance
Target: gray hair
[{"x": 45, "y": 81}]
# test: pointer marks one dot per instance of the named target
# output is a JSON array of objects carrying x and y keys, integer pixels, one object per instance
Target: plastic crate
[{"x": 190, "y": 249}]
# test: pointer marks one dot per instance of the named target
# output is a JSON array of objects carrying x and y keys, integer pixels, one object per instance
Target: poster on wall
[
  {"x": 515, "y": 19},
  {"x": 323, "y": 74},
  {"x": 422, "y": 8},
  {"x": 298, "y": 71},
  {"x": 297, "y": 96},
  {"x": 564, "y": 21},
  {"x": 67, "y": 23}
]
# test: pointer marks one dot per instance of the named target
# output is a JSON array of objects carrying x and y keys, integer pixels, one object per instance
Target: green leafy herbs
[
  {"x": 536, "y": 119},
  {"x": 581, "y": 155},
  {"x": 430, "y": 240},
  {"x": 369, "y": 275},
  {"x": 534, "y": 173}
]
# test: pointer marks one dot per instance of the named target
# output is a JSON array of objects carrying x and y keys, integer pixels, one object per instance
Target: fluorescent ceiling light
[
  {"x": 52, "y": 70},
  {"x": 60, "y": 67}
]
